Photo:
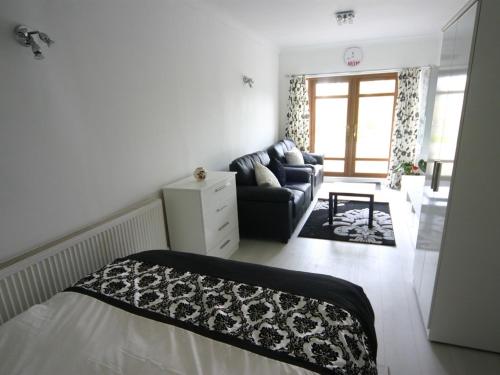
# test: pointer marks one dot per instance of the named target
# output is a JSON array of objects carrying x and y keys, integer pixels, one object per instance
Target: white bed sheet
[{"x": 76, "y": 334}]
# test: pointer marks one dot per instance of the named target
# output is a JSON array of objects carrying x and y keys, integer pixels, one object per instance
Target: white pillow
[
  {"x": 264, "y": 176},
  {"x": 294, "y": 156}
]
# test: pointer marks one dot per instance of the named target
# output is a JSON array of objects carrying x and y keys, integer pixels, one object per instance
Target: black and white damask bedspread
[{"x": 318, "y": 322}]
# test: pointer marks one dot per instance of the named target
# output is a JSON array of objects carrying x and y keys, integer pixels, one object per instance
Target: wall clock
[{"x": 353, "y": 56}]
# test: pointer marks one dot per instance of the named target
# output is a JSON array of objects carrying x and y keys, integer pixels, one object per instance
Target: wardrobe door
[
  {"x": 434, "y": 200},
  {"x": 466, "y": 305},
  {"x": 451, "y": 83}
]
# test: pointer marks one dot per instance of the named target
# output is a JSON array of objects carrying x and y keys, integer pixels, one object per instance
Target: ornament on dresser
[{"x": 200, "y": 174}]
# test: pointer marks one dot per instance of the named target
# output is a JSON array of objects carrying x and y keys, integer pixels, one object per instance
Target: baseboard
[
  {"x": 383, "y": 370},
  {"x": 355, "y": 179}
]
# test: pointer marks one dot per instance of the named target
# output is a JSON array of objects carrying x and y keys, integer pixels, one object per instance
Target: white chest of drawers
[{"x": 202, "y": 216}]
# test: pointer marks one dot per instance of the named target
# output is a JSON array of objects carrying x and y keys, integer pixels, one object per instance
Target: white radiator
[{"x": 37, "y": 278}]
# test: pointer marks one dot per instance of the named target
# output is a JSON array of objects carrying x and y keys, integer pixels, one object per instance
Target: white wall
[
  {"x": 378, "y": 55},
  {"x": 133, "y": 95}
]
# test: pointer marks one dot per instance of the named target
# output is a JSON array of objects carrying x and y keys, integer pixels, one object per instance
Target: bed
[{"x": 168, "y": 312}]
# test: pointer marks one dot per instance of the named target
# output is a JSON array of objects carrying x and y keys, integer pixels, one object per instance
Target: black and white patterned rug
[{"x": 351, "y": 223}]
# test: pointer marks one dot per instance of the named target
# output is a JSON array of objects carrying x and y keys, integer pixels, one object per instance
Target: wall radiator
[{"x": 37, "y": 278}]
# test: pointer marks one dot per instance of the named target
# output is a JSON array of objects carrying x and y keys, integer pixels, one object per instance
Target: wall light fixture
[
  {"x": 248, "y": 81},
  {"x": 26, "y": 38}
]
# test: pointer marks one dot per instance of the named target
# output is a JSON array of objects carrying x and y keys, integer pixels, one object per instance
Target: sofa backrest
[
  {"x": 277, "y": 151},
  {"x": 244, "y": 167}
]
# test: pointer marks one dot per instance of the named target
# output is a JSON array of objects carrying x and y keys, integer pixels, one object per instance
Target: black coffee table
[{"x": 333, "y": 202}]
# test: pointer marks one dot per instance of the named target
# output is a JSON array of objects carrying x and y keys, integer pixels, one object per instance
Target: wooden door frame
[
  {"x": 312, "y": 111},
  {"x": 352, "y": 117}
]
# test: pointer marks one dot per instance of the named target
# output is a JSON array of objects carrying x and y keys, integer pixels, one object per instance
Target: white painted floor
[{"x": 385, "y": 273}]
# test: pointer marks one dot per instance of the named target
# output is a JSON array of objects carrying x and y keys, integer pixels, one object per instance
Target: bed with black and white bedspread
[{"x": 269, "y": 320}]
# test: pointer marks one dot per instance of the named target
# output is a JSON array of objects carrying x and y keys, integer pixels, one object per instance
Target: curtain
[
  {"x": 406, "y": 124},
  {"x": 425, "y": 77},
  {"x": 297, "y": 127}
]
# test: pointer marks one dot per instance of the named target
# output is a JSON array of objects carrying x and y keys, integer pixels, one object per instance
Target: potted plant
[{"x": 411, "y": 169}]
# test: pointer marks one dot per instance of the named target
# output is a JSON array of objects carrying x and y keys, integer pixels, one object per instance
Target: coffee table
[{"x": 333, "y": 202}]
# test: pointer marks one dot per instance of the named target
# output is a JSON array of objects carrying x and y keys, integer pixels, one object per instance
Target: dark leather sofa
[
  {"x": 315, "y": 163},
  {"x": 269, "y": 212}
]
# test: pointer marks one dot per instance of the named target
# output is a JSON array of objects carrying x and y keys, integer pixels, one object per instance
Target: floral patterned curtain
[
  {"x": 297, "y": 128},
  {"x": 406, "y": 124}
]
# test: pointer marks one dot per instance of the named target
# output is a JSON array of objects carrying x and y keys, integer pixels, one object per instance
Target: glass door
[
  {"x": 374, "y": 114},
  {"x": 329, "y": 113},
  {"x": 351, "y": 123}
]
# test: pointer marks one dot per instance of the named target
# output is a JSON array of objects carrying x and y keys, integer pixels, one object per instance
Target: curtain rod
[{"x": 333, "y": 74}]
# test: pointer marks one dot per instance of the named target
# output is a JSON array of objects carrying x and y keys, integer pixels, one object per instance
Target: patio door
[{"x": 351, "y": 122}]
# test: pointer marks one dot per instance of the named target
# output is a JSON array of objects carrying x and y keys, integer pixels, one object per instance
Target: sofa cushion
[
  {"x": 289, "y": 144},
  {"x": 264, "y": 176},
  {"x": 294, "y": 157},
  {"x": 260, "y": 194},
  {"x": 299, "y": 198},
  {"x": 279, "y": 170},
  {"x": 308, "y": 159},
  {"x": 306, "y": 188},
  {"x": 244, "y": 167},
  {"x": 278, "y": 149}
]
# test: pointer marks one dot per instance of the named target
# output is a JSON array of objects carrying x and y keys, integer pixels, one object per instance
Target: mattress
[{"x": 178, "y": 313}]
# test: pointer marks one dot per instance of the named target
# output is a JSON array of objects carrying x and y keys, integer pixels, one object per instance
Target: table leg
[
  {"x": 370, "y": 213},
  {"x": 330, "y": 215},
  {"x": 335, "y": 201}
]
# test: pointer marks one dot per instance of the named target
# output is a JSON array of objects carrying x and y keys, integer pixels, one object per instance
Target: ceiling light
[{"x": 345, "y": 16}]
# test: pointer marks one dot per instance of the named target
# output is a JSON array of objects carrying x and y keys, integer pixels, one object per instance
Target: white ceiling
[{"x": 288, "y": 23}]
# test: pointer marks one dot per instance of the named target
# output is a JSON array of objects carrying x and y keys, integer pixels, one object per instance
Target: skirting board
[
  {"x": 37, "y": 278},
  {"x": 383, "y": 370}
]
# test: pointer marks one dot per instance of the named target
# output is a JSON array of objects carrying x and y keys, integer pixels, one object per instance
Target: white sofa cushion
[
  {"x": 264, "y": 176},
  {"x": 294, "y": 156}
]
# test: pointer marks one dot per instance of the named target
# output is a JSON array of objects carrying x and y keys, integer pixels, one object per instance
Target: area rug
[{"x": 351, "y": 223}]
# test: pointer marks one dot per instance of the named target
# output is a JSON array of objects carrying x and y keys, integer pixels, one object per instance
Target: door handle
[{"x": 436, "y": 175}]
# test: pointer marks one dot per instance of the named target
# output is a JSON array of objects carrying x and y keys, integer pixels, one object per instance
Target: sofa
[
  {"x": 270, "y": 212},
  {"x": 313, "y": 162}
]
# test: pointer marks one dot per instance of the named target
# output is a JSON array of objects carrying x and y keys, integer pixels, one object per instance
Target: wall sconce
[
  {"x": 25, "y": 38},
  {"x": 248, "y": 81}
]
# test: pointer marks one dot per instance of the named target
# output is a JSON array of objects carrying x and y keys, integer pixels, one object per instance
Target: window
[{"x": 351, "y": 122}]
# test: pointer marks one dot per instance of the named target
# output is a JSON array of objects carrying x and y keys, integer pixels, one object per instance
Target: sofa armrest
[
  {"x": 296, "y": 174},
  {"x": 300, "y": 166},
  {"x": 263, "y": 194},
  {"x": 319, "y": 157},
  {"x": 303, "y": 167}
]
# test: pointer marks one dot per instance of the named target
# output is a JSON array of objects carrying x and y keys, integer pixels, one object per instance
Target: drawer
[
  {"x": 220, "y": 191},
  {"x": 216, "y": 209},
  {"x": 227, "y": 246},
  {"x": 219, "y": 226}
]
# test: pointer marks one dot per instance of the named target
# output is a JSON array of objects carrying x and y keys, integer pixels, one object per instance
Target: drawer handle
[
  {"x": 224, "y": 244},
  {"x": 221, "y": 208},
  {"x": 222, "y": 187},
  {"x": 224, "y": 225}
]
